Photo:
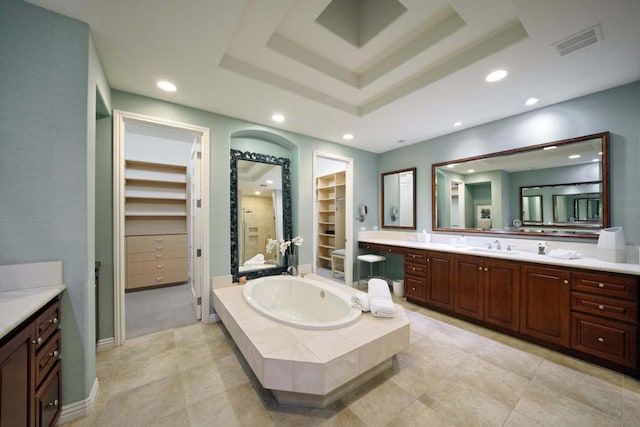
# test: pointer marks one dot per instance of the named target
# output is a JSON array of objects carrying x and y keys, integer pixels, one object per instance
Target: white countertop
[
  {"x": 18, "y": 305},
  {"x": 586, "y": 262}
]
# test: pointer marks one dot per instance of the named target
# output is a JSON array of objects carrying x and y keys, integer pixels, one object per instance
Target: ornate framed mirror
[
  {"x": 399, "y": 199},
  {"x": 260, "y": 211},
  {"x": 560, "y": 188}
]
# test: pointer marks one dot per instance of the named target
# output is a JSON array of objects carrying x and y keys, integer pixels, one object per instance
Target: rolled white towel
[
  {"x": 256, "y": 260},
  {"x": 380, "y": 299},
  {"x": 563, "y": 254},
  {"x": 361, "y": 300}
]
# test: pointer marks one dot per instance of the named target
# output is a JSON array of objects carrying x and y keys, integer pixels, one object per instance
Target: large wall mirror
[
  {"x": 399, "y": 199},
  {"x": 260, "y": 211},
  {"x": 559, "y": 188}
]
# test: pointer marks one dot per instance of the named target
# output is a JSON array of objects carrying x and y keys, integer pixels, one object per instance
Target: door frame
[
  {"x": 348, "y": 231},
  {"x": 119, "y": 275}
]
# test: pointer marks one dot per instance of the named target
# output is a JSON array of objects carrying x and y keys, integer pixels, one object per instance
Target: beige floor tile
[
  {"x": 208, "y": 380},
  {"x": 418, "y": 415},
  {"x": 550, "y": 408},
  {"x": 379, "y": 402},
  {"x": 145, "y": 404},
  {"x": 286, "y": 415},
  {"x": 590, "y": 369},
  {"x": 630, "y": 408},
  {"x": 140, "y": 348},
  {"x": 630, "y": 383},
  {"x": 238, "y": 406},
  {"x": 463, "y": 405},
  {"x": 140, "y": 371},
  {"x": 516, "y": 419},
  {"x": 179, "y": 418},
  {"x": 509, "y": 358},
  {"x": 580, "y": 387}
]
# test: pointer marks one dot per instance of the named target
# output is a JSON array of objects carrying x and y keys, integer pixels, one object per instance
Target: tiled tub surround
[{"x": 311, "y": 367}]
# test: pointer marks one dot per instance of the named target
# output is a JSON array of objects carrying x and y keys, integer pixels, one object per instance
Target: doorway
[
  {"x": 160, "y": 225},
  {"x": 333, "y": 217}
]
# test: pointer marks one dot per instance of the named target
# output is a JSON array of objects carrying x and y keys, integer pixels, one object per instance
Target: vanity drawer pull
[
  {"x": 480, "y": 268},
  {"x": 565, "y": 281},
  {"x": 601, "y": 285},
  {"x": 159, "y": 239},
  {"x": 486, "y": 269},
  {"x": 413, "y": 289},
  {"x": 159, "y": 266},
  {"x": 159, "y": 248},
  {"x": 601, "y": 307},
  {"x": 159, "y": 256},
  {"x": 600, "y": 339}
]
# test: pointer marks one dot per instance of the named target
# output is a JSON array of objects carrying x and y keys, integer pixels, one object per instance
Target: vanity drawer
[
  {"x": 152, "y": 267},
  {"x": 156, "y": 243},
  {"x": 415, "y": 269},
  {"x": 391, "y": 249},
  {"x": 611, "y": 308},
  {"x": 415, "y": 287},
  {"x": 607, "y": 339},
  {"x": 47, "y": 323},
  {"x": 369, "y": 246},
  {"x": 48, "y": 403},
  {"x": 415, "y": 256},
  {"x": 606, "y": 284},
  {"x": 47, "y": 357}
]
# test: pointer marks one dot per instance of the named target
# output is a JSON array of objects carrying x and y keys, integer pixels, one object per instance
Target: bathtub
[{"x": 301, "y": 302}]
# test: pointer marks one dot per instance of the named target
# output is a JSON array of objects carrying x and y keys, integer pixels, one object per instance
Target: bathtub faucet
[{"x": 292, "y": 270}]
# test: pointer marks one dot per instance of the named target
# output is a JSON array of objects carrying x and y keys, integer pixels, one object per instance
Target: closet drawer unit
[
  {"x": 156, "y": 243},
  {"x": 415, "y": 256},
  {"x": 48, "y": 403},
  {"x": 606, "y": 339},
  {"x": 611, "y": 308},
  {"x": 47, "y": 357},
  {"x": 605, "y": 284},
  {"x": 142, "y": 280},
  {"x": 47, "y": 323},
  {"x": 157, "y": 266},
  {"x": 415, "y": 269},
  {"x": 155, "y": 256}
]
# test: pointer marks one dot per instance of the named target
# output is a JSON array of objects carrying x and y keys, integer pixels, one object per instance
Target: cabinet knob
[
  {"x": 159, "y": 266},
  {"x": 601, "y": 285},
  {"x": 54, "y": 320},
  {"x": 159, "y": 256},
  {"x": 159, "y": 239},
  {"x": 38, "y": 341},
  {"x": 480, "y": 268},
  {"x": 159, "y": 248},
  {"x": 565, "y": 281},
  {"x": 600, "y": 339},
  {"x": 413, "y": 289},
  {"x": 53, "y": 404},
  {"x": 601, "y": 307},
  {"x": 486, "y": 269},
  {"x": 428, "y": 260},
  {"x": 389, "y": 250}
]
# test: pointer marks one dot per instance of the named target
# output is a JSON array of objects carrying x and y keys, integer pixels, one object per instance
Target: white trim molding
[
  {"x": 80, "y": 408},
  {"x": 106, "y": 344}
]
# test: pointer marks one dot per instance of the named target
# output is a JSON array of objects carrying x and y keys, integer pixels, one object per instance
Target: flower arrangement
[
  {"x": 286, "y": 247},
  {"x": 542, "y": 247}
]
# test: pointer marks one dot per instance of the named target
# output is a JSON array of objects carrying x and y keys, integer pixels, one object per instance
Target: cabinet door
[
  {"x": 468, "y": 286},
  {"x": 544, "y": 304},
  {"x": 17, "y": 380},
  {"x": 439, "y": 280},
  {"x": 502, "y": 293}
]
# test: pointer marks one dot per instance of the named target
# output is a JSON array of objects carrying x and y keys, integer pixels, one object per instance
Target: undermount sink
[{"x": 494, "y": 251}]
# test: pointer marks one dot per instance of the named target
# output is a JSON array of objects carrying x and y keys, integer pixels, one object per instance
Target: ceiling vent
[{"x": 579, "y": 40}]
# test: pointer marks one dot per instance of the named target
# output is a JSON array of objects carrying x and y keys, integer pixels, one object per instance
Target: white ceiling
[{"x": 410, "y": 82}]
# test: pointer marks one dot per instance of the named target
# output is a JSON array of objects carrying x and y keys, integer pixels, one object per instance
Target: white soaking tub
[{"x": 301, "y": 302}]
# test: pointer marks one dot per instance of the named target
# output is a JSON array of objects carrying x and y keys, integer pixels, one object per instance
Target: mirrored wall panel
[{"x": 557, "y": 188}]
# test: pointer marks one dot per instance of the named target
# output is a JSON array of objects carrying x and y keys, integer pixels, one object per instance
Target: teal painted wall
[
  {"x": 50, "y": 82},
  {"x": 615, "y": 110}
]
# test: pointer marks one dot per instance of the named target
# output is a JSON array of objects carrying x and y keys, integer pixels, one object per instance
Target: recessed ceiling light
[
  {"x": 471, "y": 170},
  {"x": 347, "y": 136},
  {"x": 269, "y": 181},
  {"x": 574, "y": 156},
  {"x": 451, "y": 165},
  {"x": 600, "y": 153},
  {"x": 166, "y": 86},
  {"x": 456, "y": 124},
  {"x": 595, "y": 160},
  {"x": 531, "y": 101},
  {"x": 277, "y": 117},
  {"x": 257, "y": 193},
  {"x": 496, "y": 75},
  {"x": 551, "y": 147}
]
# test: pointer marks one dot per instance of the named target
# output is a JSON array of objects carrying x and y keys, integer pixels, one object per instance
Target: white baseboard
[
  {"x": 214, "y": 318},
  {"x": 80, "y": 408},
  {"x": 106, "y": 344}
]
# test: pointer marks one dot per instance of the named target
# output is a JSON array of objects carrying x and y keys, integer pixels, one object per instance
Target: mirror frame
[
  {"x": 235, "y": 156},
  {"x": 398, "y": 227},
  {"x": 559, "y": 231}
]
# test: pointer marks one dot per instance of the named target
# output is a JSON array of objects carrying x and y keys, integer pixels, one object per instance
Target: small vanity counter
[
  {"x": 586, "y": 262},
  {"x": 18, "y": 305}
]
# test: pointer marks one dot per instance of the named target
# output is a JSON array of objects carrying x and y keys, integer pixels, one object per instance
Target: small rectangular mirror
[{"x": 399, "y": 199}]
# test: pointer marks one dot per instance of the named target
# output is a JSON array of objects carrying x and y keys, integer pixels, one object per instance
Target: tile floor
[{"x": 453, "y": 374}]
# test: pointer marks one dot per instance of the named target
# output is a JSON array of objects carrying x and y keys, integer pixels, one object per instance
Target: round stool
[{"x": 371, "y": 259}]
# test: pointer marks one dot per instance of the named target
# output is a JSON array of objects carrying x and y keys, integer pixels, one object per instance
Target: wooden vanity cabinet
[
  {"x": 604, "y": 316},
  {"x": 30, "y": 386},
  {"x": 439, "y": 283},
  {"x": 545, "y": 304},
  {"x": 415, "y": 275},
  {"x": 488, "y": 289}
]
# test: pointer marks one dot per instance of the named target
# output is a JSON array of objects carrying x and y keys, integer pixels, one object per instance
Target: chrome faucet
[
  {"x": 292, "y": 270},
  {"x": 498, "y": 245}
]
